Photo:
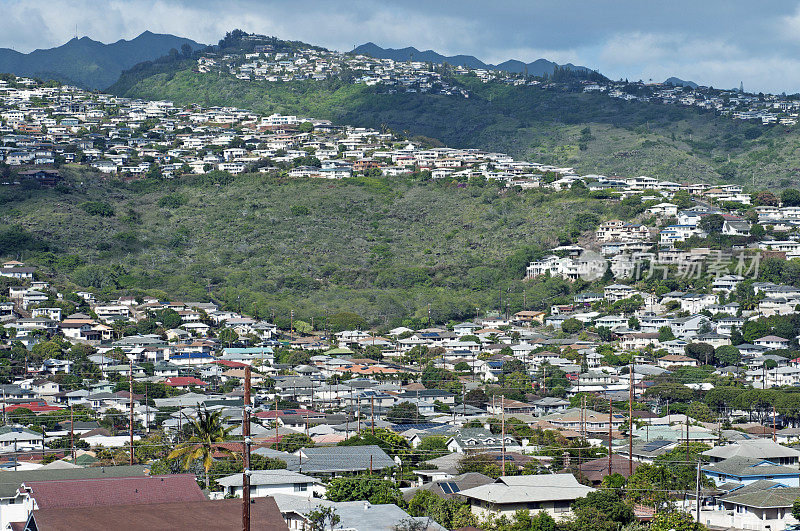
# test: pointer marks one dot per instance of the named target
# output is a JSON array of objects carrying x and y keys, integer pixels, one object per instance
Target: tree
[
  {"x": 389, "y": 441},
  {"x": 790, "y": 197},
  {"x": 303, "y": 327},
  {"x": 700, "y": 411},
  {"x": 608, "y": 502},
  {"x": 169, "y": 318},
  {"x": 433, "y": 446},
  {"x": 571, "y": 326},
  {"x": 442, "y": 511},
  {"x": 711, "y": 223},
  {"x": 228, "y": 336},
  {"x": 590, "y": 517},
  {"x": 293, "y": 442},
  {"x": 462, "y": 366},
  {"x": 322, "y": 518},
  {"x": 207, "y": 431},
  {"x": 728, "y": 355},
  {"x": 370, "y": 488},
  {"x": 682, "y": 199},
  {"x": 702, "y": 352},
  {"x": 765, "y": 199},
  {"x": 402, "y": 413},
  {"x": 665, "y": 334},
  {"x": 373, "y": 352},
  {"x": 796, "y": 509},
  {"x": 675, "y": 521},
  {"x": 481, "y": 463}
]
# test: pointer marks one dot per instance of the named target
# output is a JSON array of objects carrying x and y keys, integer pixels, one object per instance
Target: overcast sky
[{"x": 707, "y": 41}]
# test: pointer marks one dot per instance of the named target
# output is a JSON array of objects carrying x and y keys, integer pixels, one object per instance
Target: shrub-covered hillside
[{"x": 385, "y": 249}]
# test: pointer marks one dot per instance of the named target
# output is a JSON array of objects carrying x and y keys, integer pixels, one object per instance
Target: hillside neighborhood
[
  {"x": 665, "y": 391},
  {"x": 269, "y": 61}
]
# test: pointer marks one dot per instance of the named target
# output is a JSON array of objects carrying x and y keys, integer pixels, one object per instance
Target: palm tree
[{"x": 207, "y": 430}]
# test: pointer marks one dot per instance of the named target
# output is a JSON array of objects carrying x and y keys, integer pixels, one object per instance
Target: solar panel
[
  {"x": 453, "y": 487},
  {"x": 654, "y": 445},
  {"x": 446, "y": 488}
]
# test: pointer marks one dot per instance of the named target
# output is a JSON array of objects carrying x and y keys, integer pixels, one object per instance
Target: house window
[
  {"x": 300, "y": 487},
  {"x": 561, "y": 506}
]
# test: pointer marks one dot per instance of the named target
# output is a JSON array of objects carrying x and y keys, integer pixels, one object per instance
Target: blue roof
[{"x": 248, "y": 350}]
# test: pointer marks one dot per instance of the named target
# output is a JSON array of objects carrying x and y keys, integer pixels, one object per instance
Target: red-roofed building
[
  {"x": 101, "y": 492},
  {"x": 184, "y": 382},
  {"x": 231, "y": 364},
  {"x": 220, "y": 515},
  {"x": 36, "y": 407}
]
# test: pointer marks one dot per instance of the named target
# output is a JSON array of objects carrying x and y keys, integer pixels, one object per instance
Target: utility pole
[
  {"x": 372, "y": 413},
  {"x": 246, "y": 452},
  {"x": 130, "y": 399},
  {"x": 610, "y": 434},
  {"x": 503, "y": 431},
  {"x": 72, "y": 433},
  {"x": 697, "y": 489},
  {"x": 773, "y": 423},
  {"x": 147, "y": 411},
  {"x": 630, "y": 421},
  {"x": 347, "y": 419},
  {"x": 276, "y": 419},
  {"x": 687, "y": 438}
]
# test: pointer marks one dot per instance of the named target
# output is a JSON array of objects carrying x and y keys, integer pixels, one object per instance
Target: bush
[
  {"x": 172, "y": 201},
  {"x": 14, "y": 240},
  {"x": 98, "y": 208}
]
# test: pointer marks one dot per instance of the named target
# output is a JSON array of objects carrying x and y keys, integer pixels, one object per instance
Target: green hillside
[
  {"x": 592, "y": 132},
  {"x": 382, "y": 248}
]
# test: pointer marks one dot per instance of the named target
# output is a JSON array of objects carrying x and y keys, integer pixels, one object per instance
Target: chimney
[{"x": 366, "y": 506}]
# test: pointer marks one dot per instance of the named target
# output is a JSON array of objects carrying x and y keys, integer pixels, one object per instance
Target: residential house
[
  {"x": 271, "y": 482},
  {"x": 551, "y": 493}
]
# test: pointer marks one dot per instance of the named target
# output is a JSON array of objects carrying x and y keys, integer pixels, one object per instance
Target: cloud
[{"x": 639, "y": 48}]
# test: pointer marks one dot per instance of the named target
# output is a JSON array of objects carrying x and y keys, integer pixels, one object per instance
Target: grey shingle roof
[
  {"x": 330, "y": 459},
  {"x": 756, "y": 448},
  {"x": 748, "y": 466},
  {"x": 357, "y": 515},
  {"x": 10, "y": 481},
  {"x": 526, "y": 489},
  {"x": 772, "y": 497}
]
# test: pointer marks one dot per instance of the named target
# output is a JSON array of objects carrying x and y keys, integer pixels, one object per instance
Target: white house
[
  {"x": 270, "y": 482},
  {"x": 551, "y": 493}
]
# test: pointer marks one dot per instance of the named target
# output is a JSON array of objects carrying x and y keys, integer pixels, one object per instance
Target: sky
[{"x": 712, "y": 42}]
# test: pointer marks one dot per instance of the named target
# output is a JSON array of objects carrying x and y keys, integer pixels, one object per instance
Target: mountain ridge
[
  {"x": 540, "y": 67},
  {"x": 89, "y": 63}
]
